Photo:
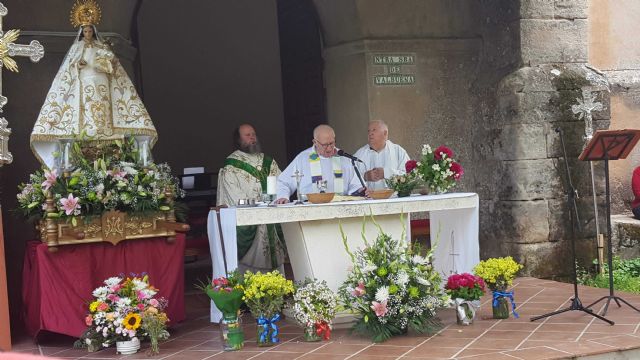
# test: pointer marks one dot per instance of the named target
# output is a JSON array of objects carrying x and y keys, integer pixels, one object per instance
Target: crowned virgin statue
[{"x": 91, "y": 94}]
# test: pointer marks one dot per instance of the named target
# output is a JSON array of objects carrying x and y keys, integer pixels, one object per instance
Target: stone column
[{"x": 527, "y": 215}]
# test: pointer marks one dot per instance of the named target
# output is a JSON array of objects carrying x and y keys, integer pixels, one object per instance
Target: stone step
[{"x": 625, "y": 235}]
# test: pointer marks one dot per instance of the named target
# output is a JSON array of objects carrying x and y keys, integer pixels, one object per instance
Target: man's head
[
  {"x": 378, "y": 134},
  {"x": 246, "y": 139},
  {"x": 324, "y": 140}
]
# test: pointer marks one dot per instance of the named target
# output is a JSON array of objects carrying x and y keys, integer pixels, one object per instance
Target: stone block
[
  {"x": 573, "y": 137},
  {"x": 530, "y": 180},
  {"x": 553, "y": 41},
  {"x": 560, "y": 220},
  {"x": 520, "y": 221},
  {"x": 571, "y": 9},
  {"x": 550, "y": 259},
  {"x": 521, "y": 141},
  {"x": 537, "y": 9},
  {"x": 562, "y": 103},
  {"x": 528, "y": 108},
  {"x": 625, "y": 235}
]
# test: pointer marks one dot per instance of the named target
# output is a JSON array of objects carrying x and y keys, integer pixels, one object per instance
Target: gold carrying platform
[{"x": 111, "y": 226}]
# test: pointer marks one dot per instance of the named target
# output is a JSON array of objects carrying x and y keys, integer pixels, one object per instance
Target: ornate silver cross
[
  {"x": 584, "y": 108},
  {"x": 8, "y": 48},
  {"x": 298, "y": 176}
]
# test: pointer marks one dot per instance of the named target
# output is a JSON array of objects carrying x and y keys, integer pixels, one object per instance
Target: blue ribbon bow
[
  {"x": 266, "y": 323},
  {"x": 508, "y": 295}
]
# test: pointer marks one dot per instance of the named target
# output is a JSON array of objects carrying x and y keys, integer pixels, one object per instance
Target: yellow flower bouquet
[
  {"x": 265, "y": 295},
  {"x": 498, "y": 274}
]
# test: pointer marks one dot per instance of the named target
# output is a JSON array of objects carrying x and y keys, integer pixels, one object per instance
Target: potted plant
[
  {"x": 438, "y": 169},
  {"x": 498, "y": 274},
  {"x": 392, "y": 288},
  {"x": 116, "y": 316},
  {"x": 405, "y": 183},
  {"x": 227, "y": 293},
  {"x": 314, "y": 308},
  {"x": 465, "y": 291},
  {"x": 265, "y": 295}
]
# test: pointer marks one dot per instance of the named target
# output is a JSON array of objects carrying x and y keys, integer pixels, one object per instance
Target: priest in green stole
[{"x": 244, "y": 176}]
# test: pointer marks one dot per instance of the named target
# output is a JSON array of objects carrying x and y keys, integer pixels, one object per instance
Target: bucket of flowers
[
  {"x": 498, "y": 274},
  {"x": 314, "y": 308},
  {"x": 438, "y": 169},
  {"x": 265, "y": 295},
  {"x": 465, "y": 291},
  {"x": 405, "y": 183},
  {"x": 392, "y": 288},
  {"x": 125, "y": 311},
  {"x": 227, "y": 293}
]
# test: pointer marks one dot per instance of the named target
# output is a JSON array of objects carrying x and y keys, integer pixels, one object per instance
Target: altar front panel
[{"x": 316, "y": 248}]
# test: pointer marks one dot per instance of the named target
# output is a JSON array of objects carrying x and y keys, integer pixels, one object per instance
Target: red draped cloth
[{"x": 57, "y": 286}]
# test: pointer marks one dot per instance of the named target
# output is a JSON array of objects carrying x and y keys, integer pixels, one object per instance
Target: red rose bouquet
[{"x": 465, "y": 286}]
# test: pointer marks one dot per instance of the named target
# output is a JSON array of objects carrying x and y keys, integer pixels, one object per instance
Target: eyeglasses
[{"x": 326, "y": 146}]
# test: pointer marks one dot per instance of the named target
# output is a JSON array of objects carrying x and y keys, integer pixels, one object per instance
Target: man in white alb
[
  {"x": 319, "y": 162},
  {"x": 382, "y": 158}
]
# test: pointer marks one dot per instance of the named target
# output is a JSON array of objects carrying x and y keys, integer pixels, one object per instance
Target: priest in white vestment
[
  {"x": 319, "y": 162},
  {"x": 244, "y": 176},
  {"x": 381, "y": 158}
]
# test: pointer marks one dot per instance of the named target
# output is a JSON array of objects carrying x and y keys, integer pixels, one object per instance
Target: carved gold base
[{"x": 111, "y": 226}]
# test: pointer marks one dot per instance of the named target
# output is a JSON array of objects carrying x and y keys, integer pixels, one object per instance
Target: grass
[{"x": 626, "y": 276}]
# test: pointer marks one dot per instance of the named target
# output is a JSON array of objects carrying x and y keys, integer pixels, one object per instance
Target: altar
[{"x": 315, "y": 245}]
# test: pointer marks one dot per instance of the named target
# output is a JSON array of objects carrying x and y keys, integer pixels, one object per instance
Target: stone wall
[{"x": 614, "y": 48}]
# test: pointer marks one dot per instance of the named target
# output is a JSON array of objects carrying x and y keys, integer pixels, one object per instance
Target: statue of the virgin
[{"x": 91, "y": 94}]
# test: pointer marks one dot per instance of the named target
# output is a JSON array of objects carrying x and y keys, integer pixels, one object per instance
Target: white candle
[
  {"x": 66, "y": 164},
  {"x": 271, "y": 185}
]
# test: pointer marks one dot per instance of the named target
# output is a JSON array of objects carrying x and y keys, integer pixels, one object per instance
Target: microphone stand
[
  {"x": 353, "y": 163},
  {"x": 572, "y": 195}
]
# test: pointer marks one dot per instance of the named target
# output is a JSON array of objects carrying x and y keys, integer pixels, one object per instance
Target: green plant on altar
[
  {"x": 392, "y": 288},
  {"x": 103, "y": 177},
  {"x": 405, "y": 183},
  {"x": 438, "y": 169}
]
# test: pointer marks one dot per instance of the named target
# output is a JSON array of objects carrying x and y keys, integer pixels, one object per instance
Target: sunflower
[{"x": 132, "y": 321}]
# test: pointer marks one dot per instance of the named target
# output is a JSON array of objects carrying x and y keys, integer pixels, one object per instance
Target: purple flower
[{"x": 70, "y": 204}]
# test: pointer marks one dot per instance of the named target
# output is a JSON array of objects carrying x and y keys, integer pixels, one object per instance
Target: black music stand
[
  {"x": 572, "y": 206},
  {"x": 610, "y": 145}
]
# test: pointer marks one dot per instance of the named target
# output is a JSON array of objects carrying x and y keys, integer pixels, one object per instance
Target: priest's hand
[
  {"x": 282, "y": 201},
  {"x": 367, "y": 192},
  {"x": 375, "y": 174}
]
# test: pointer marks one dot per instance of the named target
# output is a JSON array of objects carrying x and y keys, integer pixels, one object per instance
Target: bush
[{"x": 626, "y": 276}]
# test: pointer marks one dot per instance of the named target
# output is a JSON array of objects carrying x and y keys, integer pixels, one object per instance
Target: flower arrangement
[
  {"x": 438, "y": 169},
  {"x": 392, "y": 288},
  {"x": 314, "y": 308},
  {"x": 265, "y": 295},
  {"x": 227, "y": 293},
  {"x": 104, "y": 178},
  {"x": 124, "y": 309},
  {"x": 465, "y": 286},
  {"x": 498, "y": 274},
  {"x": 405, "y": 183},
  {"x": 465, "y": 290}
]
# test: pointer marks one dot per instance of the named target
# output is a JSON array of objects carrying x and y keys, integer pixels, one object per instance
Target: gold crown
[{"x": 85, "y": 12}]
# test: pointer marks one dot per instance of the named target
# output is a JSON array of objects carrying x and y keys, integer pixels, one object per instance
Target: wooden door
[
  {"x": 5, "y": 334},
  {"x": 303, "y": 90}
]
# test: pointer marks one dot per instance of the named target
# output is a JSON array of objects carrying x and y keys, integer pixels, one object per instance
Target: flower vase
[
  {"x": 128, "y": 347},
  {"x": 466, "y": 311},
  {"x": 500, "y": 308},
  {"x": 267, "y": 330},
  {"x": 404, "y": 193},
  {"x": 231, "y": 333},
  {"x": 424, "y": 190},
  {"x": 311, "y": 333}
]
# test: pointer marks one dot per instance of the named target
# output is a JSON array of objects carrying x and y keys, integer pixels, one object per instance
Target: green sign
[
  {"x": 394, "y": 59},
  {"x": 394, "y": 79}
]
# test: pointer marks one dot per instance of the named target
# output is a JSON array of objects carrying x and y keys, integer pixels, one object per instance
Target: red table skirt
[{"x": 57, "y": 286}]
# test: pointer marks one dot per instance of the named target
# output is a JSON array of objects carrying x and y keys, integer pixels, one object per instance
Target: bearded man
[{"x": 244, "y": 176}]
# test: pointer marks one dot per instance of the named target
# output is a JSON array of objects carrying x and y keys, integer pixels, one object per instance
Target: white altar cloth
[{"x": 315, "y": 246}]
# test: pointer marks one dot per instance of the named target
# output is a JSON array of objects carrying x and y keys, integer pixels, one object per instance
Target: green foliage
[{"x": 626, "y": 276}]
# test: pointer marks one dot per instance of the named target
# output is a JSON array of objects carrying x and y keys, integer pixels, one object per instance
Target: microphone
[{"x": 348, "y": 156}]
